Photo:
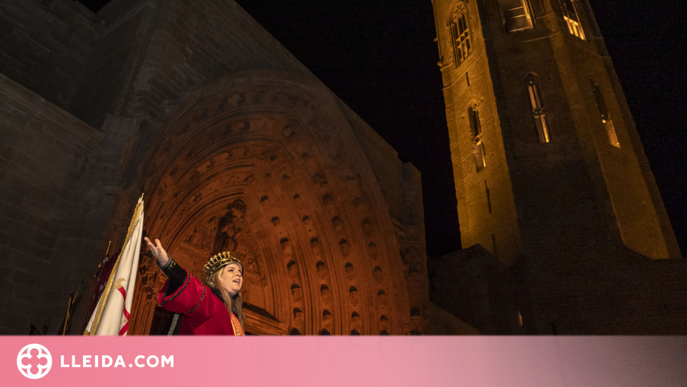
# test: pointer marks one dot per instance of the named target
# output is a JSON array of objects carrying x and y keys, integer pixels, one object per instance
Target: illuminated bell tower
[{"x": 549, "y": 170}]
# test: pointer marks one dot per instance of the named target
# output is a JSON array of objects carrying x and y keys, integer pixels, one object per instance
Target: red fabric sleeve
[{"x": 193, "y": 299}]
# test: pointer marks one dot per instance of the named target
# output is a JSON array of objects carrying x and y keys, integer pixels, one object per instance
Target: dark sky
[{"x": 380, "y": 58}]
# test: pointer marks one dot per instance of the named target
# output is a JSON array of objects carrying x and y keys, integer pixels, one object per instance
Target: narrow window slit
[
  {"x": 486, "y": 187},
  {"x": 537, "y": 105},
  {"x": 605, "y": 116},
  {"x": 477, "y": 143}
]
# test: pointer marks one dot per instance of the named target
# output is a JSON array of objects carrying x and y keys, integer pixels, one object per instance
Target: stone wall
[
  {"x": 486, "y": 208},
  {"x": 112, "y": 66},
  {"x": 44, "y": 46},
  {"x": 565, "y": 214},
  {"x": 474, "y": 286},
  {"x": 47, "y": 239},
  {"x": 444, "y": 323},
  {"x": 334, "y": 232}
]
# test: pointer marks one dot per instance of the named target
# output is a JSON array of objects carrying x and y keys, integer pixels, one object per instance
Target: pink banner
[{"x": 345, "y": 361}]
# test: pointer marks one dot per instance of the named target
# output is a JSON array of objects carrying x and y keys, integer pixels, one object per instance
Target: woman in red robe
[{"x": 211, "y": 309}]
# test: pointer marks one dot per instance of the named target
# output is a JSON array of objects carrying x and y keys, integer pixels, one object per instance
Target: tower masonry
[{"x": 550, "y": 173}]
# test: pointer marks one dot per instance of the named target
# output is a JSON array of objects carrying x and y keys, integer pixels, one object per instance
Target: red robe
[{"x": 204, "y": 313}]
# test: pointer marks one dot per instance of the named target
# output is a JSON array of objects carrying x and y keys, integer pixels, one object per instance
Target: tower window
[
  {"x": 477, "y": 143},
  {"x": 486, "y": 188},
  {"x": 516, "y": 15},
  {"x": 605, "y": 117},
  {"x": 460, "y": 34},
  {"x": 537, "y": 106},
  {"x": 572, "y": 18}
]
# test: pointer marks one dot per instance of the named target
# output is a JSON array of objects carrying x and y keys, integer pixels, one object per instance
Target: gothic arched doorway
[{"x": 264, "y": 164}]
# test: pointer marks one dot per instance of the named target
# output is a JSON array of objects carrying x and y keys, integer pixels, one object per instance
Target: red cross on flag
[{"x": 111, "y": 315}]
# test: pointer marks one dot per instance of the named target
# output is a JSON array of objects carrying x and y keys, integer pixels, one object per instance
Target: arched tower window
[
  {"x": 477, "y": 143},
  {"x": 605, "y": 117},
  {"x": 460, "y": 33},
  {"x": 537, "y": 106},
  {"x": 572, "y": 18},
  {"x": 516, "y": 15}
]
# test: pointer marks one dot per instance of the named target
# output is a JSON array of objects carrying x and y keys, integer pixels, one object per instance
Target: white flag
[{"x": 111, "y": 315}]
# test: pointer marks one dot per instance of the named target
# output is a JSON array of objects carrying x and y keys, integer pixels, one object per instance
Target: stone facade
[
  {"x": 550, "y": 174},
  {"x": 474, "y": 286},
  {"x": 236, "y": 145}
]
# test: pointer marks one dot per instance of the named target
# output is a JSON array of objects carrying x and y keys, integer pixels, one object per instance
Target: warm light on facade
[
  {"x": 516, "y": 15},
  {"x": 572, "y": 18},
  {"x": 574, "y": 28},
  {"x": 460, "y": 34}
]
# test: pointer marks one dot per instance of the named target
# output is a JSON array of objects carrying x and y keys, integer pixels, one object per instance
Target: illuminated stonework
[
  {"x": 237, "y": 147},
  {"x": 261, "y": 165},
  {"x": 550, "y": 175}
]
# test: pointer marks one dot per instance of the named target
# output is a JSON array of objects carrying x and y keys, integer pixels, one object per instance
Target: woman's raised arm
[{"x": 158, "y": 252}]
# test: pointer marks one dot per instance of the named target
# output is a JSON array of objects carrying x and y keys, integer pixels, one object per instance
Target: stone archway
[{"x": 265, "y": 164}]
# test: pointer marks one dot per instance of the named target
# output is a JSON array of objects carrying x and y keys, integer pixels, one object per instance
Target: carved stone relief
[
  {"x": 317, "y": 216},
  {"x": 228, "y": 227},
  {"x": 148, "y": 284}
]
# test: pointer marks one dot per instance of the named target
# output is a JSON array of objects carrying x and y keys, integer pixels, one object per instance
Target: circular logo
[{"x": 34, "y": 361}]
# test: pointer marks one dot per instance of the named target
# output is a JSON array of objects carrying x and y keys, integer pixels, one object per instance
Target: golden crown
[{"x": 218, "y": 261}]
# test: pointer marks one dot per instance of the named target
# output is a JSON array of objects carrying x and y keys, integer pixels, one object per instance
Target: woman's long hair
[{"x": 233, "y": 304}]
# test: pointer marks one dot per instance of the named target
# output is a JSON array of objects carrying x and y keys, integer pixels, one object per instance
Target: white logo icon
[{"x": 34, "y": 361}]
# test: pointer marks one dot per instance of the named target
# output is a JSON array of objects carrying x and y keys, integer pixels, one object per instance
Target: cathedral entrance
[{"x": 268, "y": 171}]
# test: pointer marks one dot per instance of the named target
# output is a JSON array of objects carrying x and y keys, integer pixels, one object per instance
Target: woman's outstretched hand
[{"x": 158, "y": 251}]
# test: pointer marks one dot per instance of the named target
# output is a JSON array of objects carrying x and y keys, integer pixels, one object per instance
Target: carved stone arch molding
[
  {"x": 459, "y": 8},
  {"x": 264, "y": 164}
]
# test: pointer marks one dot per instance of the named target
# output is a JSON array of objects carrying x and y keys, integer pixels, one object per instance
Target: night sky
[{"x": 380, "y": 58}]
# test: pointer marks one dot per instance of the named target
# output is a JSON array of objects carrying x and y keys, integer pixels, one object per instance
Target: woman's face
[{"x": 231, "y": 278}]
